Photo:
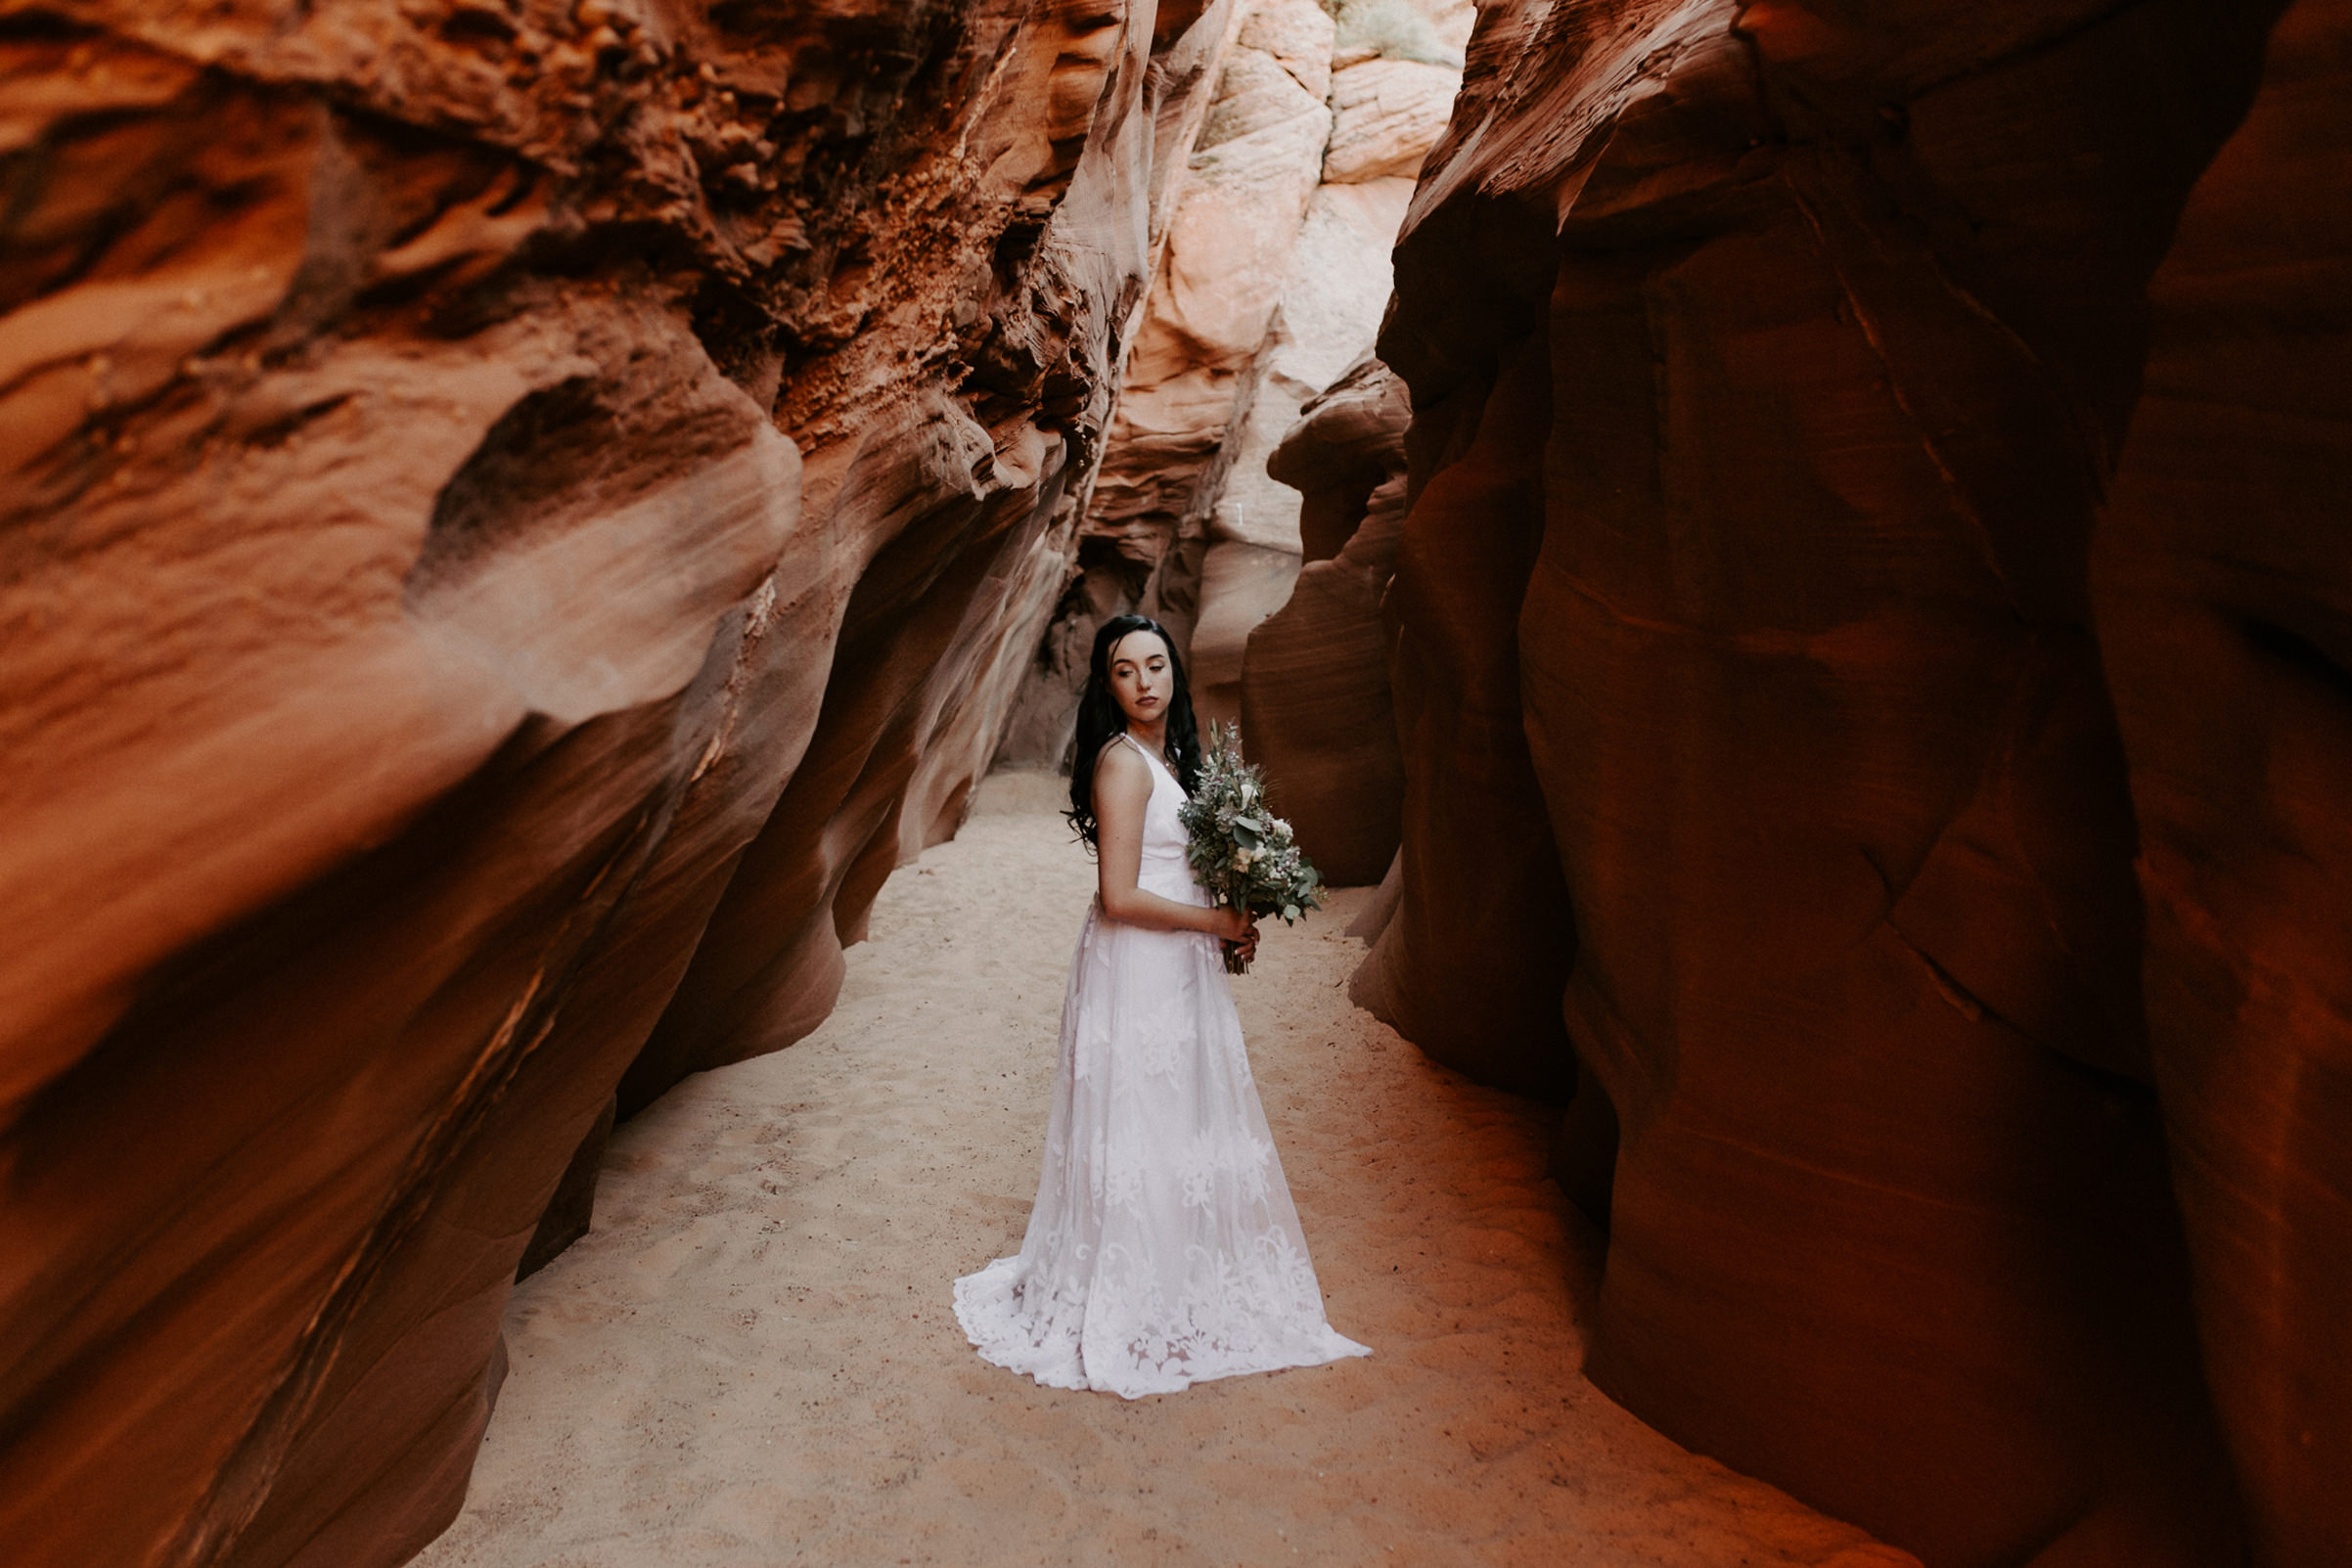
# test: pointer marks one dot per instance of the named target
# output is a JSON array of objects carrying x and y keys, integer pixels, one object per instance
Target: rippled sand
[{"x": 751, "y": 1359}]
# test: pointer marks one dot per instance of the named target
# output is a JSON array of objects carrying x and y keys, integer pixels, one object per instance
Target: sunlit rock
[
  {"x": 517, "y": 519},
  {"x": 1276, "y": 276}
]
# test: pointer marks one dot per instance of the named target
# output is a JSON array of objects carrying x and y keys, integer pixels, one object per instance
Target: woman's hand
[
  {"x": 1237, "y": 930},
  {"x": 1122, "y": 794}
]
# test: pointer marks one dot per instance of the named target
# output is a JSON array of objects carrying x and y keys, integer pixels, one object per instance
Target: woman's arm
[{"x": 1122, "y": 789}]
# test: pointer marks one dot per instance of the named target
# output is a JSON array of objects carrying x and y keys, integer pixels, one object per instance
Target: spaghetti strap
[{"x": 1141, "y": 751}]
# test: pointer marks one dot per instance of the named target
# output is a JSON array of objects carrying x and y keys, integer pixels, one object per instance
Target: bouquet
[{"x": 1240, "y": 851}]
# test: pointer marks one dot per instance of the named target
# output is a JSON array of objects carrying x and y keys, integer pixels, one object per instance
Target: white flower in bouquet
[{"x": 1242, "y": 853}]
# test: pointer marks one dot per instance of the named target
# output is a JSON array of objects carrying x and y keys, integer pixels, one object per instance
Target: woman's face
[{"x": 1141, "y": 677}]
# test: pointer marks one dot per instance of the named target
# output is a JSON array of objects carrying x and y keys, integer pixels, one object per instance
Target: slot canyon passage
[{"x": 1780, "y": 550}]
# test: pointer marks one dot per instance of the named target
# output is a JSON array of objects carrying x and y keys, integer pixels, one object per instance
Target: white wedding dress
[{"x": 1163, "y": 1250}]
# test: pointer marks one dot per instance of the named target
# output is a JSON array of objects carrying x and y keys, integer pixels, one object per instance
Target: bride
[{"x": 1162, "y": 1249}]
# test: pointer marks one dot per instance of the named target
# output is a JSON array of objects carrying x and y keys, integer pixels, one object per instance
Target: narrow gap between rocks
[{"x": 751, "y": 1357}]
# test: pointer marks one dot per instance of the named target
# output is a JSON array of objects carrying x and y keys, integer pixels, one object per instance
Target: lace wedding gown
[{"x": 1163, "y": 1250}]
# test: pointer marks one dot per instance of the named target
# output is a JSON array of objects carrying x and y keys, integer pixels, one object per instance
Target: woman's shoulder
[
  {"x": 1121, "y": 754},
  {"x": 1121, "y": 762}
]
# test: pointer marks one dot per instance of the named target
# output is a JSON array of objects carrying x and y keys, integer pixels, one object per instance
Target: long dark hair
[{"x": 1100, "y": 717}]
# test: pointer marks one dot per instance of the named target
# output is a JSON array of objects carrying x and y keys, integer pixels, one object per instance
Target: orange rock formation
[
  {"x": 518, "y": 517},
  {"x": 2222, "y": 584},
  {"x": 1273, "y": 279},
  {"x": 1763, "y": 724},
  {"x": 1315, "y": 698}
]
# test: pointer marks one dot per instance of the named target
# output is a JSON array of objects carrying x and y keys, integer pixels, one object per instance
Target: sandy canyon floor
[{"x": 751, "y": 1359}]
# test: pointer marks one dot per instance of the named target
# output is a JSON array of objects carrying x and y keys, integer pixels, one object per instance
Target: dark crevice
[
  {"x": 2295, "y": 650},
  {"x": 44, "y": 26}
]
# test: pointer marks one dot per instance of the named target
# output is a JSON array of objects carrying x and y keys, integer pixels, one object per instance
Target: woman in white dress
[{"x": 1163, "y": 1250}]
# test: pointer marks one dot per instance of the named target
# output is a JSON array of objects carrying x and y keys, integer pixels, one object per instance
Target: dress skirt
[{"x": 1163, "y": 1250}]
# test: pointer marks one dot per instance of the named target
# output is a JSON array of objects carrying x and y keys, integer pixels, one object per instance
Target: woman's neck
[{"x": 1154, "y": 733}]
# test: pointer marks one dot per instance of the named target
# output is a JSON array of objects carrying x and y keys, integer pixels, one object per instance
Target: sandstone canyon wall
[
  {"x": 1770, "y": 761},
  {"x": 1273, "y": 279},
  {"x": 1316, "y": 704},
  {"x": 2223, "y": 587},
  {"x": 517, "y": 517}
]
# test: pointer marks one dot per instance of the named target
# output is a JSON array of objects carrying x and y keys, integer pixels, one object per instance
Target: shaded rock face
[
  {"x": 1759, "y": 725},
  {"x": 1316, "y": 710},
  {"x": 1274, "y": 275},
  {"x": 2222, "y": 586},
  {"x": 1472, "y": 963},
  {"x": 515, "y": 520}
]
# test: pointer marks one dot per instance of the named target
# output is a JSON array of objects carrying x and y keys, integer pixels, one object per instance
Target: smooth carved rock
[
  {"x": 1386, "y": 117},
  {"x": 1316, "y": 707},
  {"x": 1276, "y": 276},
  {"x": 2224, "y": 593},
  {"x": 1229, "y": 243},
  {"x": 1225, "y": 250},
  {"x": 1471, "y": 966},
  {"x": 1767, "y": 362},
  {"x": 1295, "y": 38},
  {"x": 513, "y": 525},
  {"x": 1330, "y": 309},
  {"x": 1348, "y": 441},
  {"x": 571, "y": 1211}
]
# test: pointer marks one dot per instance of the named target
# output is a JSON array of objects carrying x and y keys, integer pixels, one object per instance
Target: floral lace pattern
[{"x": 1163, "y": 1250}]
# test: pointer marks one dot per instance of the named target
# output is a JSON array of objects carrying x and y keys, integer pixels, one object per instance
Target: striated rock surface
[
  {"x": 1329, "y": 309},
  {"x": 1230, "y": 245},
  {"x": 515, "y": 520},
  {"x": 2224, "y": 593},
  {"x": 1470, "y": 967},
  {"x": 1315, "y": 703},
  {"x": 1275, "y": 275},
  {"x": 1768, "y": 364}
]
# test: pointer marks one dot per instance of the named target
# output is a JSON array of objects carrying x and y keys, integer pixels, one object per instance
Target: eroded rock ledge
[{"x": 517, "y": 517}]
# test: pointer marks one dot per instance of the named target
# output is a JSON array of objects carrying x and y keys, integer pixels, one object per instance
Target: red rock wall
[
  {"x": 1770, "y": 363},
  {"x": 1316, "y": 708},
  {"x": 2223, "y": 585},
  {"x": 1472, "y": 963},
  {"x": 515, "y": 520}
]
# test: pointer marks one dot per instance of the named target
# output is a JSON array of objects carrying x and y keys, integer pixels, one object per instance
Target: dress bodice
[{"x": 1163, "y": 870}]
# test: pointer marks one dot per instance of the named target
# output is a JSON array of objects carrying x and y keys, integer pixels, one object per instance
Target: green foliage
[
  {"x": 1241, "y": 852},
  {"x": 1393, "y": 27}
]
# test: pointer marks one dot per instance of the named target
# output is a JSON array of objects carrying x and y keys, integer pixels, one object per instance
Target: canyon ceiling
[{"x": 1824, "y": 591}]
